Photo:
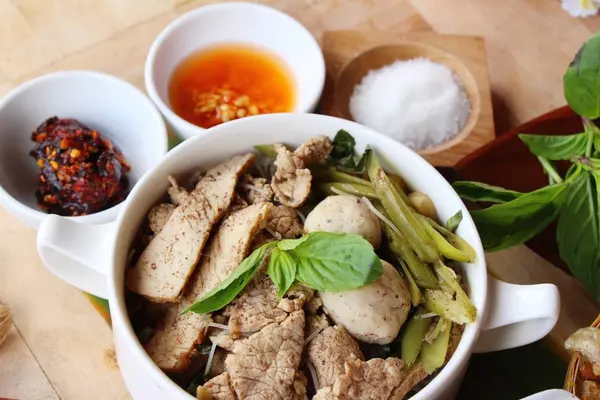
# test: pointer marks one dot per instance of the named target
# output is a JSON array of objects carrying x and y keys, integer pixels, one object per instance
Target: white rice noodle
[
  {"x": 426, "y": 315},
  {"x": 272, "y": 232},
  {"x": 218, "y": 326},
  {"x": 213, "y": 348},
  {"x": 301, "y": 216},
  {"x": 379, "y": 215},
  {"x": 337, "y": 191},
  {"x": 313, "y": 375},
  {"x": 312, "y": 335}
]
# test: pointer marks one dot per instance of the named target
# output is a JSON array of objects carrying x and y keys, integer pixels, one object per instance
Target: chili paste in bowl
[{"x": 80, "y": 172}]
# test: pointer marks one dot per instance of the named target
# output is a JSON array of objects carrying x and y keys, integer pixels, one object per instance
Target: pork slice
[
  {"x": 328, "y": 352},
  {"x": 314, "y": 151},
  {"x": 255, "y": 308},
  {"x": 255, "y": 189},
  {"x": 173, "y": 341},
  {"x": 159, "y": 215},
  {"x": 227, "y": 250},
  {"x": 284, "y": 223},
  {"x": 218, "y": 388},
  {"x": 315, "y": 323},
  {"x": 175, "y": 338},
  {"x": 291, "y": 181},
  {"x": 264, "y": 366},
  {"x": 299, "y": 387},
  {"x": 373, "y": 379},
  {"x": 415, "y": 375},
  {"x": 165, "y": 265}
]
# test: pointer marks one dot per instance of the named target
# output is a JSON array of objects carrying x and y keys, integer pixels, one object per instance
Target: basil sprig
[
  {"x": 323, "y": 261},
  {"x": 343, "y": 156},
  {"x": 573, "y": 199}
]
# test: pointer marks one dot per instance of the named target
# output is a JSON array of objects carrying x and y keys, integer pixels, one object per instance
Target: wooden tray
[{"x": 341, "y": 47}]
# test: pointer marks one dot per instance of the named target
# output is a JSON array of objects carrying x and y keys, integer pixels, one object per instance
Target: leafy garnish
[
  {"x": 477, "y": 191},
  {"x": 321, "y": 260},
  {"x": 281, "y": 270},
  {"x": 556, "y": 147},
  {"x": 573, "y": 198},
  {"x": 505, "y": 225},
  {"x": 335, "y": 262},
  {"x": 578, "y": 230},
  {"x": 582, "y": 80},
  {"x": 228, "y": 289},
  {"x": 343, "y": 155},
  {"x": 454, "y": 221}
]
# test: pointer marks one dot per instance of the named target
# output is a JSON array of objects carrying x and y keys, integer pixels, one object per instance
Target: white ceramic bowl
[
  {"x": 234, "y": 22},
  {"x": 508, "y": 315},
  {"x": 115, "y": 108}
]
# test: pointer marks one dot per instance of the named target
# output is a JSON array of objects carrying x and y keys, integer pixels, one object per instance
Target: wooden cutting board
[
  {"x": 59, "y": 345},
  {"x": 341, "y": 47}
]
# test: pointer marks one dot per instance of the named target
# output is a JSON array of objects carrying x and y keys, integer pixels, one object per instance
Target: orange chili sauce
[{"x": 240, "y": 69}]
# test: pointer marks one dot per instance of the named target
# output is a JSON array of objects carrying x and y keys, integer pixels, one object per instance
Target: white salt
[{"x": 417, "y": 102}]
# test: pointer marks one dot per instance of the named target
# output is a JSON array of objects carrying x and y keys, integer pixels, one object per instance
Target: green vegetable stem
[
  {"x": 400, "y": 213},
  {"x": 414, "y": 336}
]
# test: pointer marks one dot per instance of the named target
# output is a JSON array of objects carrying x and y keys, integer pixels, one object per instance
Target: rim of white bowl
[
  {"x": 110, "y": 214},
  {"x": 166, "y": 110},
  {"x": 445, "y": 376}
]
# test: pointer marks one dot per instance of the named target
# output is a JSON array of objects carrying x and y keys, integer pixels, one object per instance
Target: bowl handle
[
  {"x": 517, "y": 315},
  {"x": 75, "y": 252}
]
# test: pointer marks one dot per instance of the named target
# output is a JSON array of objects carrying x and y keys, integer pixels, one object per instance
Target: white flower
[{"x": 580, "y": 8}]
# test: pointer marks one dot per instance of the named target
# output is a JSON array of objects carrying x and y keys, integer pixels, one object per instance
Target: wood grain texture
[
  {"x": 58, "y": 324},
  {"x": 60, "y": 350},
  {"x": 21, "y": 377}
]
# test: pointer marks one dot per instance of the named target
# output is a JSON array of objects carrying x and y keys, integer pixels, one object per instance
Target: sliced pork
[
  {"x": 373, "y": 379},
  {"x": 165, "y": 265},
  {"x": 174, "y": 340}
]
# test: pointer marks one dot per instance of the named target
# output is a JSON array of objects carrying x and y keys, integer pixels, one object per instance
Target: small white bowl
[
  {"x": 234, "y": 22},
  {"x": 115, "y": 108}
]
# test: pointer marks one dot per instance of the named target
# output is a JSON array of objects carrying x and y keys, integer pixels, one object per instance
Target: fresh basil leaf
[
  {"x": 454, "y": 221},
  {"x": 335, "y": 262},
  {"x": 476, "y": 191},
  {"x": 556, "y": 147},
  {"x": 290, "y": 244},
  {"x": 228, "y": 289},
  {"x": 582, "y": 80},
  {"x": 343, "y": 155},
  {"x": 509, "y": 224},
  {"x": 343, "y": 146},
  {"x": 578, "y": 231},
  {"x": 281, "y": 270}
]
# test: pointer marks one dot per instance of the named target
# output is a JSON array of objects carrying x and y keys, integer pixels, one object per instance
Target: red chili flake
[{"x": 80, "y": 171}]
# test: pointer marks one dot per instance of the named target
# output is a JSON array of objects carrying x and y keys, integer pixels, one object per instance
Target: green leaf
[
  {"x": 291, "y": 244},
  {"x": 343, "y": 155},
  {"x": 556, "y": 147},
  {"x": 281, "y": 270},
  {"x": 454, "y": 221},
  {"x": 334, "y": 262},
  {"x": 582, "y": 80},
  {"x": 476, "y": 191},
  {"x": 228, "y": 289},
  {"x": 578, "y": 231},
  {"x": 509, "y": 224}
]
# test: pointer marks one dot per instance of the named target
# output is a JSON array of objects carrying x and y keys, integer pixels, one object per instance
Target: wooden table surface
[{"x": 59, "y": 346}]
